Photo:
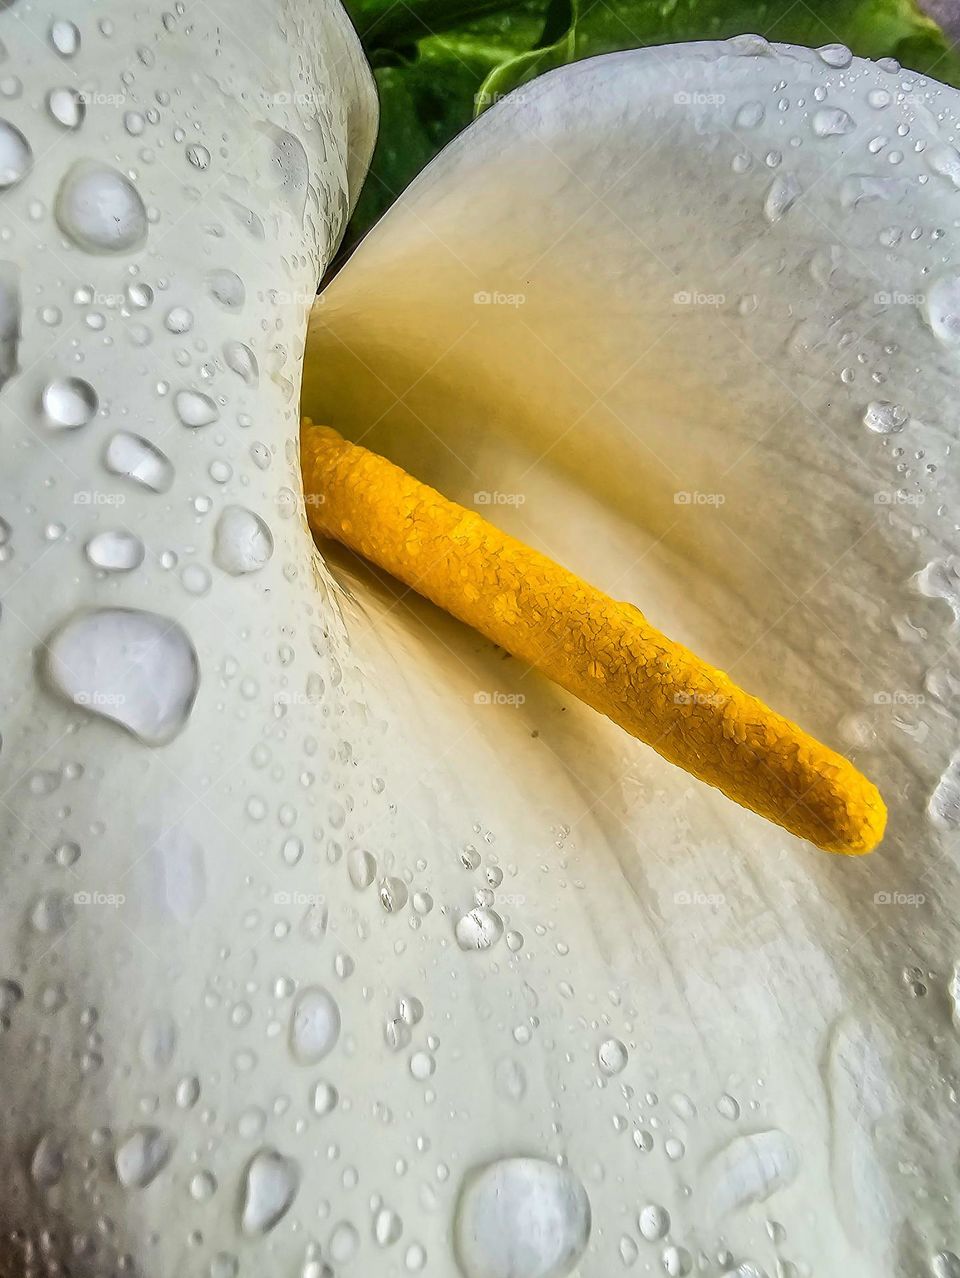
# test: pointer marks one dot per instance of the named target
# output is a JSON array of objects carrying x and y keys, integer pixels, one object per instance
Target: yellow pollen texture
[{"x": 602, "y": 651}]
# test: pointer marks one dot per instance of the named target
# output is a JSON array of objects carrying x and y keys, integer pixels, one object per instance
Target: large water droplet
[
  {"x": 653, "y": 1222},
  {"x": 138, "y": 669},
  {"x": 47, "y": 1163},
  {"x": 142, "y": 1157},
  {"x": 835, "y": 55},
  {"x": 784, "y": 191},
  {"x": 195, "y": 409},
  {"x": 9, "y": 320},
  {"x": 269, "y": 1187},
  {"x": 226, "y": 287},
  {"x": 479, "y": 929},
  {"x": 612, "y": 1056},
  {"x": 136, "y": 458},
  {"x": 115, "y": 551},
  {"x": 941, "y": 309},
  {"x": 944, "y": 806},
  {"x": 100, "y": 210},
  {"x": 832, "y": 122},
  {"x": 749, "y": 116},
  {"x": 884, "y": 418},
  {"x": 521, "y": 1218},
  {"x": 945, "y": 161},
  {"x": 243, "y": 362},
  {"x": 16, "y": 157},
  {"x": 242, "y": 541},
  {"x": 749, "y": 1169},
  {"x": 68, "y": 402},
  {"x": 314, "y": 1025},
  {"x": 65, "y": 37}
]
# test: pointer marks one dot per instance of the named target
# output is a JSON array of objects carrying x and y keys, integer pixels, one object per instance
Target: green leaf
[{"x": 439, "y": 62}]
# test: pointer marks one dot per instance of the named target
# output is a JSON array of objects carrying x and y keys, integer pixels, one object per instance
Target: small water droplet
[
  {"x": 65, "y": 37},
  {"x": 835, "y": 55},
  {"x": 782, "y": 195}
]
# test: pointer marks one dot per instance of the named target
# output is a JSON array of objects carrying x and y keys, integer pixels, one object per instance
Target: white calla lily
[{"x": 334, "y": 941}]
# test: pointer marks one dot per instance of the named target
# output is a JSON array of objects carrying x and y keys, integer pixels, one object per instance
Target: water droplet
[
  {"x": 393, "y": 894},
  {"x": 314, "y": 1025},
  {"x": 653, "y": 1222},
  {"x": 9, "y": 320},
  {"x": 65, "y": 37},
  {"x": 138, "y": 669},
  {"x": 226, "y": 287},
  {"x": 100, "y": 210},
  {"x": 945, "y": 161},
  {"x": 941, "y": 309},
  {"x": 325, "y": 1098},
  {"x": 612, "y": 1056},
  {"x": 158, "y": 1041},
  {"x": 140, "y": 295},
  {"x": 749, "y": 116},
  {"x": 832, "y": 122},
  {"x": 68, "y": 402},
  {"x": 115, "y": 551},
  {"x": 16, "y": 158},
  {"x": 944, "y": 805},
  {"x": 945, "y": 1264},
  {"x": 242, "y": 541},
  {"x": 142, "y": 1157},
  {"x": 387, "y": 1227},
  {"x": 344, "y": 1242},
  {"x": 243, "y": 362},
  {"x": 198, "y": 155},
  {"x": 47, "y": 1163},
  {"x": 188, "y": 1091},
  {"x": 749, "y": 1169},
  {"x": 203, "y": 1185},
  {"x": 835, "y": 55},
  {"x": 521, "y": 1218},
  {"x": 884, "y": 418},
  {"x": 67, "y": 107},
  {"x": 136, "y": 458},
  {"x": 479, "y": 929},
  {"x": 270, "y": 1185},
  {"x": 783, "y": 193},
  {"x": 195, "y": 409},
  {"x": 178, "y": 320}
]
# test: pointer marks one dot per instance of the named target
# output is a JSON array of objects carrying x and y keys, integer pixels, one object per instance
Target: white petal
[{"x": 710, "y": 368}]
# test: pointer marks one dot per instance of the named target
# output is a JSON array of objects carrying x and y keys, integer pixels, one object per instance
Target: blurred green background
[{"x": 439, "y": 63}]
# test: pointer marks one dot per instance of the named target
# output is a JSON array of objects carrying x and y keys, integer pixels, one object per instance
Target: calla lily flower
[{"x": 336, "y": 941}]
